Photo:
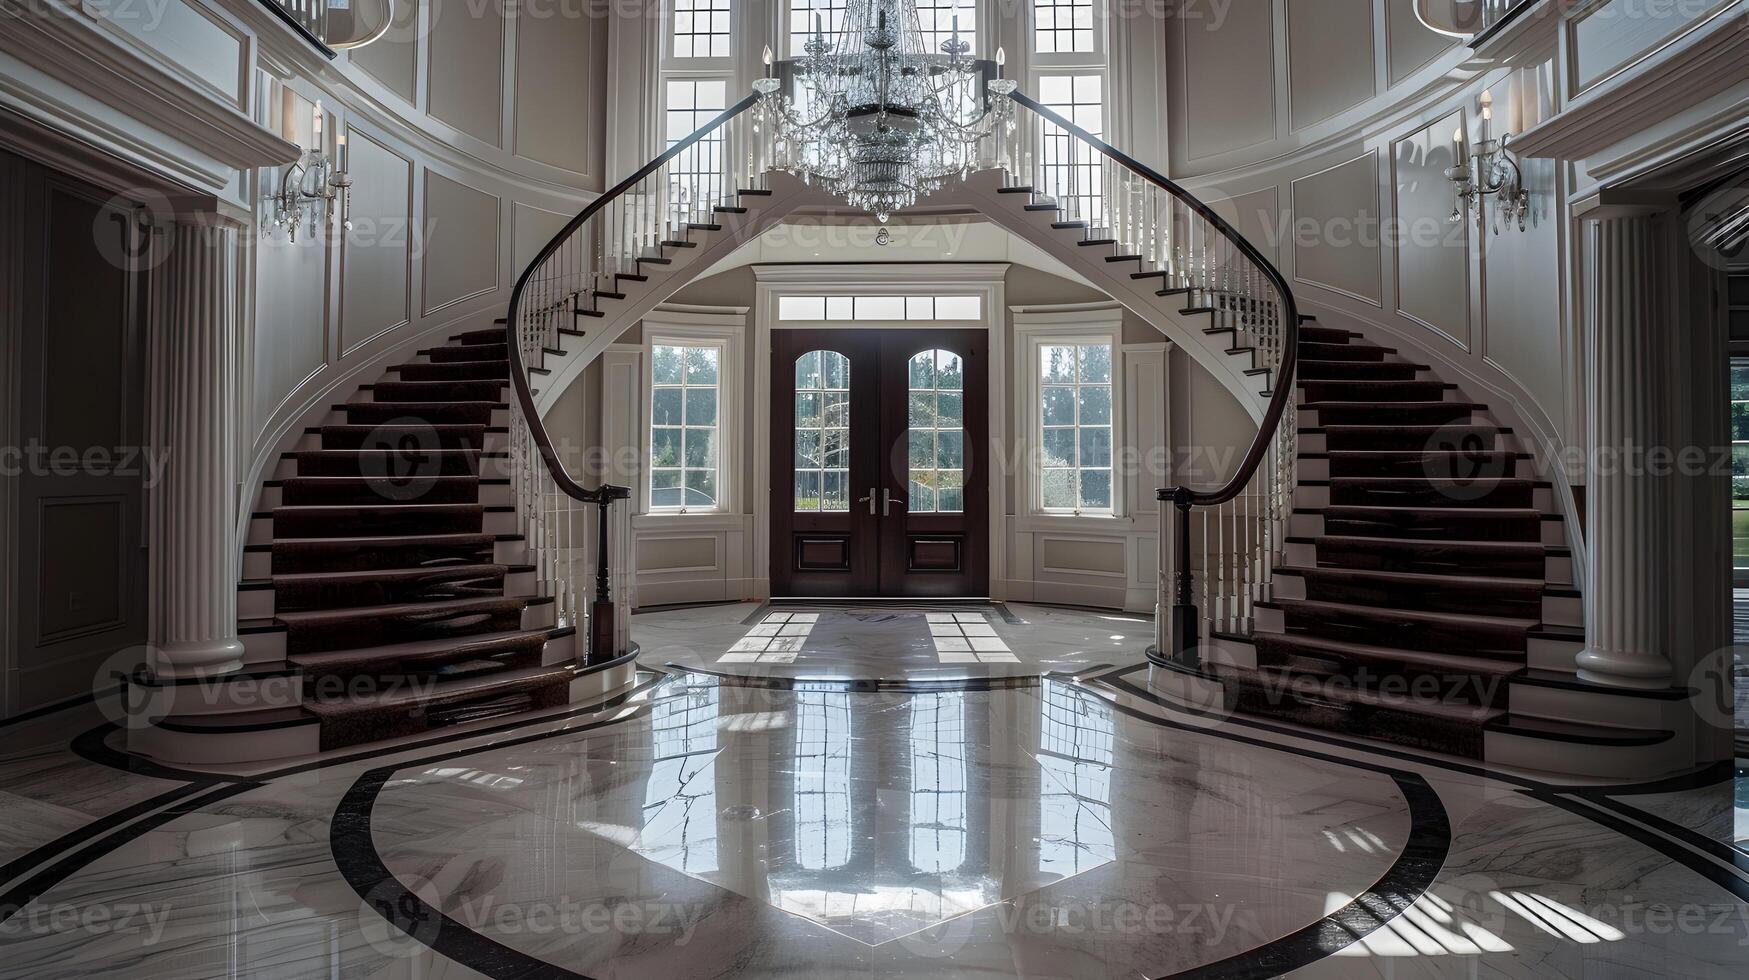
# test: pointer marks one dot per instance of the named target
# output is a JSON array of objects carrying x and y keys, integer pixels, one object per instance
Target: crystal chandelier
[{"x": 874, "y": 116}]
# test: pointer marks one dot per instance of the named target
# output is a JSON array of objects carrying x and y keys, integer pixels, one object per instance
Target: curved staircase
[{"x": 1384, "y": 563}]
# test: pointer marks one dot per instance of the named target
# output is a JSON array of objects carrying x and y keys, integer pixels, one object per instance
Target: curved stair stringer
[
  {"x": 1136, "y": 290},
  {"x": 562, "y": 367}
]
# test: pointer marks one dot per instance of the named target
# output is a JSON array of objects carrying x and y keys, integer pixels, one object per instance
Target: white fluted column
[
  {"x": 192, "y": 403},
  {"x": 1627, "y": 612}
]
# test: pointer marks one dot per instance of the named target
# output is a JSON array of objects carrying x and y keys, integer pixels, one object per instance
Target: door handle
[
  {"x": 869, "y": 500},
  {"x": 887, "y": 502}
]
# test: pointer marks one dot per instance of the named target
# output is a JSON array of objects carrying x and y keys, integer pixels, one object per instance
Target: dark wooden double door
[{"x": 879, "y": 465}]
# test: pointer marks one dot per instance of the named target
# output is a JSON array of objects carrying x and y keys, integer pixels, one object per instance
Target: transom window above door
[{"x": 864, "y": 309}]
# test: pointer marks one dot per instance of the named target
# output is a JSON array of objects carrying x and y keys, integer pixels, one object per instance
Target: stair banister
[
  {"x": 546, "y": 305},
  {"x": 1234, "y": 298}
]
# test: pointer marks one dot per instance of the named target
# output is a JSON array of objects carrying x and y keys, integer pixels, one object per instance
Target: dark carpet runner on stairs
[{"x": 384, "y": 575}]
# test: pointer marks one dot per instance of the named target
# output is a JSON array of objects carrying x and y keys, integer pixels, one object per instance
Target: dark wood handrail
[
  {"x": 537, "y": 428},
  {"x": 1290, "y": 351}
]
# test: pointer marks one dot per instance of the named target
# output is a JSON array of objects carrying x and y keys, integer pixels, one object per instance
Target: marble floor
[
  {"x": 725, "y": 826},
  {"x": 890, "y": 642}
]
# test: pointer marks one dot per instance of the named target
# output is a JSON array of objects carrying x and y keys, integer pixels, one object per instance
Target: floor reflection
[{"x": 875, "y": 815}]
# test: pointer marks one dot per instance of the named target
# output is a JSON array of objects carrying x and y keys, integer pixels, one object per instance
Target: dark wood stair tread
[
  {"x": 1427, "y": 580},
  {"x": 377, "y": 574},
  {"x": 437, "y": 609},
  {"x": 329, "y": 661},
  {"x": 463, "y": 688},
  {"x": 1577, "y": 732},
  {"x": 1338, "y": 609},
  {"x": 1345, "y": 651},
  {"x": 1342, "y": 692}
]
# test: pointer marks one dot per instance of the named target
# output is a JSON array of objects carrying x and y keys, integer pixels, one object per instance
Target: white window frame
[
  {"x": 1038, "y": 327},
  {"x": 722, "y": 67},
  {"x": 1050, "y": 62},
  {"x": 700, "y": 327},
  {"x": 1099, "y": 56}
]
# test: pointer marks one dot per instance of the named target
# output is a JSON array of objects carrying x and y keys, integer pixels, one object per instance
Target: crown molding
[
  {"x": 55, "y": 40},
  {"x": 1680, "y": 77}
]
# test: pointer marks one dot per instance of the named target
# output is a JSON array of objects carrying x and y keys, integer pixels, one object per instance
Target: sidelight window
[
  {"x": 822, "y": 426},
  {"x": 685, "y": 450}
]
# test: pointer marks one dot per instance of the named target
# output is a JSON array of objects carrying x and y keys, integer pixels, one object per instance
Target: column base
[
  {"x": 1624, "y": 669},
  {"x": 198, "y": 658}
]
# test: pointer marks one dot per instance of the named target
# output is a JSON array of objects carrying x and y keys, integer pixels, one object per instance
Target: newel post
[
  {"x": 1182, "y": 645},
  {"x": 601, "y": 613}
]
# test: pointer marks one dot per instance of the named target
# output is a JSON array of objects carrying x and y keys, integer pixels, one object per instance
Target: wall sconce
[
  {"x": 313, "y": 185},
  {"x": 1491, "y": 171}
]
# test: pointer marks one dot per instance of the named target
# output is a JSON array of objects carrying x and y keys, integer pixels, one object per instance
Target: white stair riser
[
  {"x": 499, "y": 522},
  {"x": 257, "y": 564},
  {"x": 1603, "y": 708},
  {"x": 225, "y": 748},
  {"x": 222, "y": 695},
  {"x": 1269, "y": 621},
  {"x": 520, "y": 583},
  {"x": 511, "y": 552},
  {"x": 1575, "y": 759},
  {"x": 1289, "y": 585},
  {"x": 254, "y": 603},
  {"x": 603, "y": 683},
  {"x": 561, "y": 650},
  {"x": 1195, "y": 694},
  {"x": 1546, "y": 654},
  {"x": 264, "y": 647},
  {"x": 1563, "y": 611},
  {"x": 539, "y": 616}
]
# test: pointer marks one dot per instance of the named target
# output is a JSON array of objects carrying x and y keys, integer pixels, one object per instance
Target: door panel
[
  {"x": 933, "y": 421},
  {"x": 875, "y": 489},
  {"x": 80, "y": 316},
  {"x": 824, "y": 426}
]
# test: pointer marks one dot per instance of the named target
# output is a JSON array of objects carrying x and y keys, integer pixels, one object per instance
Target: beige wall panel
[
  {"x": 393, "y": 59},
  {"x": 466, "y": 83},
  {"x": 1410, "y": 45},
  {"x": 662, "y": 554},
  {"x": 533, "y": 228},
  {"x": 1433, "y": 288},
  {"x": 554, "y": 89},
  {"x": 1257, "y": 216},
  {"x": 1229, "y": 79},
  {"x": 375, "y": 268},
  {"x": 188, "y": 39},
  {"x": 461, "y": 245},
  {"x": 1330, "y": 58},
  {"x": 1077, "y": 555},
  {"x": 1522, "y": 315},
  {"x": 1336, "y": 229}
]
